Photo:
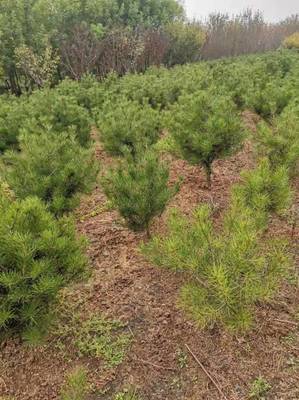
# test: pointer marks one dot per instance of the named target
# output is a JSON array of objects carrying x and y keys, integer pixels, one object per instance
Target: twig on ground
[
  {"x": 131, "y": 332},
  {"x": 154, "y": 365},
  {"x": 284, "y": 321},
  {"x": 206, "y": 372}
]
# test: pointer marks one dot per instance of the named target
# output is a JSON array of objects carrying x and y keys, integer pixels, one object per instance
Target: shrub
[
  {"x": 233, "y": 79},
  {"x": 38, "y": 256},
  {"x": 160, "y": 87},
  {"x": 138, "y": 188},
  {"x": 279, "y": 64},
  {"x": 39, "y": 70},
  {"x": 12, "y": 115},
  {"x": 127, "y": 125},
  {"x": 264, "y": 191},
  {"x": 49, "y": 109},
  {"x": 270, "y": 99},
  {"x": 76, "y": 386},
  {"x": 88, "y": 92},
  {"x": 43, "y": 110},
  {"x": 185, "y": 43},
  {"x": 157, "y": 87},
  {"x": 292, "y": 41},
  {"x": 53, "y": 167},
  {"x": 229, "y": 271},
  {"x": 280, "y": 142},
  {"x": 205, "y": 129}
]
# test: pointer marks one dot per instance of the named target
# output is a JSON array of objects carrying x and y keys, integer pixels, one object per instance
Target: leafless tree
[
  {"x": 80, "y": 52},
  {"x": 124, "y": 51},
  {"x": 244, "y": 33}
]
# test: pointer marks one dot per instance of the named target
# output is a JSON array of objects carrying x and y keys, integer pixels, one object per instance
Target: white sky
[{"x": 273, "y": 9}]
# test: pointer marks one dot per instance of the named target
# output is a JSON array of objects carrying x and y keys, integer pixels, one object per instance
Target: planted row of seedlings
[
  {"x": 234, "y": 268},
  {"x": 192, "y": 112},
  {"x": 231, "y": 270}
]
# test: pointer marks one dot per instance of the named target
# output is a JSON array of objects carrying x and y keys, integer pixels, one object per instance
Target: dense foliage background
[{"x": 43, "y": 41}]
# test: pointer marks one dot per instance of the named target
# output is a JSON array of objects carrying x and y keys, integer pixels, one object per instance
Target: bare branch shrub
[
  {"x": 80, "y": 52},
  {"x": 245, "y": 33}
]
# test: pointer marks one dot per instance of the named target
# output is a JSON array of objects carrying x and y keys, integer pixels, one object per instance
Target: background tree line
[
  {"x": 245, "y": 33},
  {"x": 42, "y": 41}
]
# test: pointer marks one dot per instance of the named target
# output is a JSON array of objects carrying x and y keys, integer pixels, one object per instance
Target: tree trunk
[
  {"x": 14, "y": 85},
  {"x": 208, "y": 170},
  {"x": 148, "y": 233}
]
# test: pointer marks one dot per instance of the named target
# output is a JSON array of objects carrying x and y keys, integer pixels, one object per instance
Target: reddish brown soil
[{"x": 124, "y": 286}]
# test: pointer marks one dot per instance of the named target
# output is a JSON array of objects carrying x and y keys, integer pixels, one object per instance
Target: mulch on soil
[{"x": 124, "y": 286}]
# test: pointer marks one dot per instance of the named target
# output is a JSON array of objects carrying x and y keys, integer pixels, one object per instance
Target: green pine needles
[
  {"x": 43, "y": 111},
  {"x": 89, "y": 93},
  {"x": 264, "y": 190},
  {"x": 229, "y": 271},
  {"x": 38, "y": 256},
  {"x": 48, "y": 109},
  {"x": 268, "y": 99},
  {"x": 53, "y": 167},
  {"x": 280, "y": 142},
  {"x": 13, "y": 112},
  {"x": 138, "y": 188},
  {"x": 205, "y": 128},
  {"x": 127, "y": 126}
]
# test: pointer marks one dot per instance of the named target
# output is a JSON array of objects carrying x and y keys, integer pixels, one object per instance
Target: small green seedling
[
  {"x": 259, "y": 388},
  {"x": 76, "y": 386}
]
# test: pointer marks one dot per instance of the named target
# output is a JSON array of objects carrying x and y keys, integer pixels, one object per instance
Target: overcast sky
[{"x": 273, "y": 9}]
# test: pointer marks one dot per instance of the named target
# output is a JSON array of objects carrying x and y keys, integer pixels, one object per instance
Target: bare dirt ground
[{"x": 126, "y": 287}]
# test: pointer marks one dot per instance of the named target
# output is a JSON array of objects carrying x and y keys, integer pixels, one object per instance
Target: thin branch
[
  {"x": 154, "y": 365},
  {"x": 284, "y": 321},
  {"x": 206, "y": 372}
]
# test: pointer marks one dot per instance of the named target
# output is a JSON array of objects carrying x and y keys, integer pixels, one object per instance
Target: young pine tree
[
  {"x": 138, "y": 187},
  {"x": 13, "y": 112},
  {"x": 127, "y": 126},
  {"x": 205, "y": 128},
  {"x": 280, "y": 142},
  {"x": 43, "y": 110},
  {"x": 89, "y": 93},
  {"x": 49, "y": 109},
  {"x": 264, "y": 191},
  {"x": 229, "y": 271},
  {"x": 53, "y": 167},
  {"x": 39, "y": 255},
  {"x": 269, "y": 99}
]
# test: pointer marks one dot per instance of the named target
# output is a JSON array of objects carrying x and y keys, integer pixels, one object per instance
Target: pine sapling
[
  {"x": 138, "y": 188},
  {"x": 264, "y": 191},
  {"x": 229, "y": 271},
  {"x": 280, "y": 140},
  {"x": 127, "y": 126},
  {"x": 53, "y": 167},
  {"x": 205, "y": 128},
  {"x": 39, "y": 255},
  {"x": 269, "y": 99}
]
